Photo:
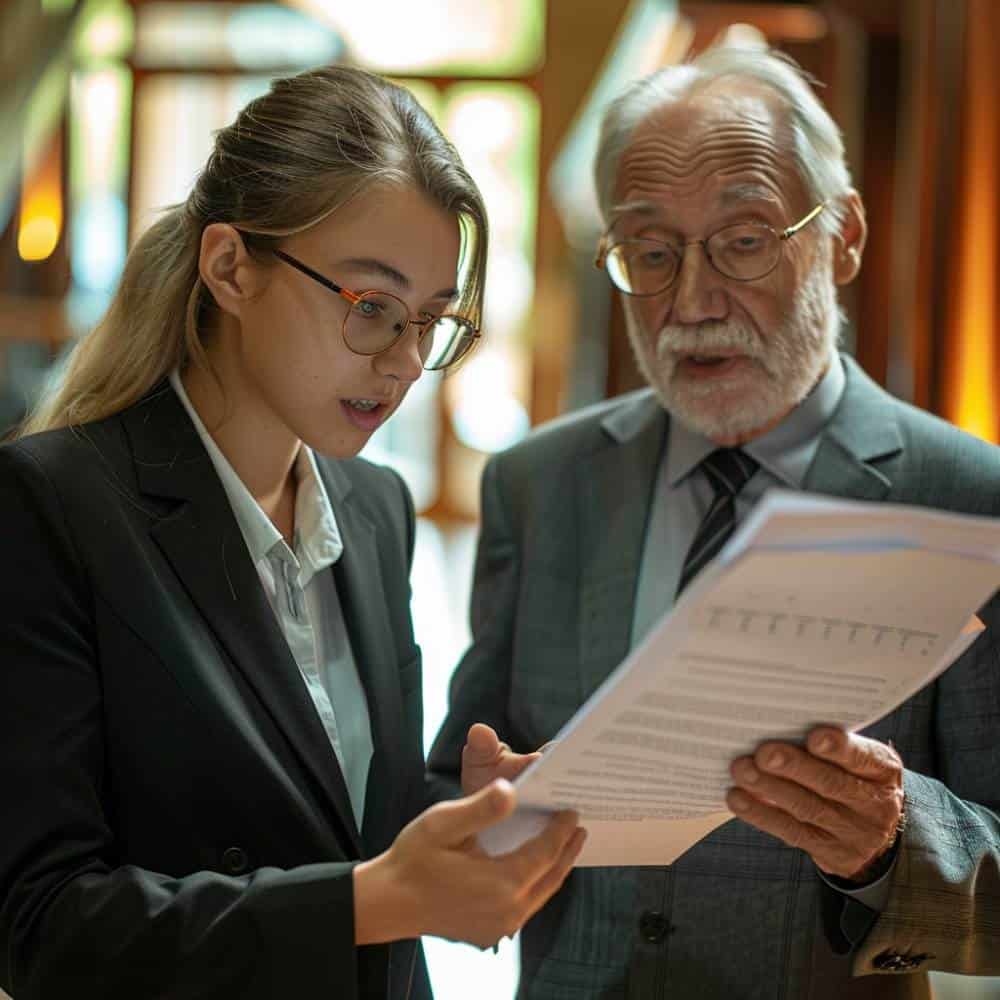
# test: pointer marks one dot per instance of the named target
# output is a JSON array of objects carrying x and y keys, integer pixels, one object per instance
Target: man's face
[{"x": 728, "y": 358}]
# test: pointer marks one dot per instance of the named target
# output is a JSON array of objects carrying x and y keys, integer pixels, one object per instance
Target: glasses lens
[
  {"x": 641, "y": 267},
  {"x": 375, "y": 321},
  {"x": 446, "y": 341},
  {"x": 744, "y": 252}
]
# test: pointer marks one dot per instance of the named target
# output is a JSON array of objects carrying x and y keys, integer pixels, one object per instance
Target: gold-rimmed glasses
[{"x": 744, "y": 251}]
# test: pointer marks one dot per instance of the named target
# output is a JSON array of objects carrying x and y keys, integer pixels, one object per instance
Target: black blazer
[{"x": 175, "y": 823}]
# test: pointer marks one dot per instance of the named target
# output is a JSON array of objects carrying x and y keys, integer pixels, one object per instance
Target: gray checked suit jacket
[{"x": 740, "y": 915}]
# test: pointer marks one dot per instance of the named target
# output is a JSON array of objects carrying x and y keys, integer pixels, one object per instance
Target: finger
[
  {"x": 451, "y": 823},
  {"x": 482, "y": 745},
  {"x": 830, "y": 854},
  {"x": 511, "y": 764},
  {"x": 807, "y": 806},
  {"x": 876, "y": 801},
  {"x": 543, "y": 890},
  {"x": 534, "y": 857},
  {"x": 867, "y": 758}
]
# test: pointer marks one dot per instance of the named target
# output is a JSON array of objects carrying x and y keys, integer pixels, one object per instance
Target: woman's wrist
[{"x": 382, "y": 908}]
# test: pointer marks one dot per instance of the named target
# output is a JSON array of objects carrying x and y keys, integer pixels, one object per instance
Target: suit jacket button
[
  {"x": 653, "y": 926},
  {"x": 235, "y": 861}
]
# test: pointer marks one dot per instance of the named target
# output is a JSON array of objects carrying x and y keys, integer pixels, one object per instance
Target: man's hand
[
  {"x": 839, "y": 799},
  {"x": 435, "y": 879},
  {"x": 485, "y": 758}
]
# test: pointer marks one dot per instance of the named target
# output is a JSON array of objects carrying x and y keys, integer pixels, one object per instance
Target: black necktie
[{"x": 728, "y": 470}]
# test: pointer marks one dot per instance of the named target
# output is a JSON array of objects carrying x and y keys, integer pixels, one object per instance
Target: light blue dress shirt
[
  {"x": 683, "y": 494},
  {"x": 303, "y": 594}
]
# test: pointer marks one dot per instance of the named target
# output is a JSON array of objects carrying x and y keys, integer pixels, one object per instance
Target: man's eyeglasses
[
  {"x": 376, "y": 320},
  {"x": 747, "y": 251}
]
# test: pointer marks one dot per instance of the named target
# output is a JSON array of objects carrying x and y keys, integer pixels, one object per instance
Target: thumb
[
  {"x": 463, "y": 818},
  {"x": 482, "y": 745}
]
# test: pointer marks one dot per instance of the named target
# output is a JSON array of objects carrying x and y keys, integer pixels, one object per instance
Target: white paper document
[{"x": 817, "y": 611}]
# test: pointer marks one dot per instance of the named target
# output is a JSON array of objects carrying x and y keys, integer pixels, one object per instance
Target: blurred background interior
[{"x": 108, "y": 108}]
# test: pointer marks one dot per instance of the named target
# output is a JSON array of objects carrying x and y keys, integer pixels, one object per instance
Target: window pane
[
  {"x": 175, "y": 118},
  {"x": 105, "y": 31},
  {"x": 223, "y": 35},
  {"x": 99, "y": 132},
  {"x": 496, "y": 129},
  {"x": 439, "y": 37}
]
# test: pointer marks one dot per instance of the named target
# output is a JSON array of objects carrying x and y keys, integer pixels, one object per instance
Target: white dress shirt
[{"x": 303, "y": 594}]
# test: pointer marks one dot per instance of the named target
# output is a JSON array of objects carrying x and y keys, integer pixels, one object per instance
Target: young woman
[{"x": 210, "y": 716}]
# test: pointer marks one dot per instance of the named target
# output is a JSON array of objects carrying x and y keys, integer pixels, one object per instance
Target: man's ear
[
  {"x": 226, "y": 268},
  {"x": 849, "y": 243}
]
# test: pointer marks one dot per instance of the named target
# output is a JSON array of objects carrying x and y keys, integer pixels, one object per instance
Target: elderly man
[{"x": 731, "y": 220}]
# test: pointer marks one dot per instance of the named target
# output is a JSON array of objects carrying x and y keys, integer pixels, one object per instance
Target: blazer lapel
[
  {"x": 614, "y": 489},
  {"x": 862, "y": 433},
  {"x": 203, "y": 544},
  {"x": 362, "y": 593}
]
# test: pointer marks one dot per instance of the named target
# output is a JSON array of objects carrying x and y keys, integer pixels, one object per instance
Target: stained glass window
[
  {"x": 485, "y": 38},
  {"x": 100, "y": 104},
  {"x": 252, "y": 36},
  {"x": 176, "y": 114},
  {"x": 105, "y": 31},
  {"x": 496, "y": 130}
]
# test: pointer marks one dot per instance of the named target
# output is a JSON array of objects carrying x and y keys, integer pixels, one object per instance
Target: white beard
[{"x": 785, "y": 365}]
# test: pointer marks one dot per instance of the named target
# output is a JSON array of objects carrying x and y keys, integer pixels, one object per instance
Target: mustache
[{"x": 673, "y": 342}]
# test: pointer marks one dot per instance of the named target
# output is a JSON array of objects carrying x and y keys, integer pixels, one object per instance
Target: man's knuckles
[{"x": 874, "y": 760}]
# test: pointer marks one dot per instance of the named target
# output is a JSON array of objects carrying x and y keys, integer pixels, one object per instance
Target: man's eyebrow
[
  {"x": 375, "y": 266},
  {"x": 632, "y": 208},
  {"x": 747, "y": 192},
  {"x": 734, "y": 195}
]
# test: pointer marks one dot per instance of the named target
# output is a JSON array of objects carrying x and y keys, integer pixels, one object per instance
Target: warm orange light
[
  {"x": 41, "y": 216},
  {"x": 974, "y": 405}
]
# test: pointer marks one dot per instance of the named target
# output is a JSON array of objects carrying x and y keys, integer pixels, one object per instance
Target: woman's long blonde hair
[{"x": 291, "y": 158}]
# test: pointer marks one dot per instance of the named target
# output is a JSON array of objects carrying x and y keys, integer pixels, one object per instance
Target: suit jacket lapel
[
  {"x": 363, "y": 600},
  {"x": 861, "y": 435},
  {"x": 202, "y": 542},
  {"x": 614, "y": 489}
]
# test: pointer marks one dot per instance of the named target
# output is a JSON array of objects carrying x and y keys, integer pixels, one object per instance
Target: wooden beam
[{"x": 577, "y": 41}]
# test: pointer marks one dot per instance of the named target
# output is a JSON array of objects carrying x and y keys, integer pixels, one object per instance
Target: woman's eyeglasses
[{"x": 376, "y": 320}]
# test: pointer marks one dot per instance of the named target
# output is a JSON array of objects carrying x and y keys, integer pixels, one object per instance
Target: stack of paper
[{"x": 817, "y": 611}]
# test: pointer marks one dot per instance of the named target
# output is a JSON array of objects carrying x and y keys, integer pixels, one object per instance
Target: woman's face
[{"x": 292, "y": 358}]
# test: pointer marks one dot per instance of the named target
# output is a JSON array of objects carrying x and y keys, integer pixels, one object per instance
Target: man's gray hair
[{"x": 816, "y": 145}]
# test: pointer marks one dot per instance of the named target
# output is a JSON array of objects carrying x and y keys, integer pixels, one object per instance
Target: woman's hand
[
  {"x": 435, "y": 879},
  {"x": 485, "y": 758}
]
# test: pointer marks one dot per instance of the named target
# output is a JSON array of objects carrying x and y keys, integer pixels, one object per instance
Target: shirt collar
[
  {"x": 318, "y": 543},
  {"x": 785, "y": 451},
  {"x": 318, "y": 540}
]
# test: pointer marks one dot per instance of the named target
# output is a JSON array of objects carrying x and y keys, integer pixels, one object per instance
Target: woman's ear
[
  {"x": 849, "y": 243},
  {"x": 227, "y": 269}
]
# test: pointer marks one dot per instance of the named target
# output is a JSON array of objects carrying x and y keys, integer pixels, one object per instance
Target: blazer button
[
  {"x": 893, "y": 961},
  {"x": 235, "y": 861},
  {"x": 653, "y": 926}
]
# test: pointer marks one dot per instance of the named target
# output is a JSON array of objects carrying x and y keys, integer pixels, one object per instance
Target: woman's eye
[{"x": 367, "y": 308}]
